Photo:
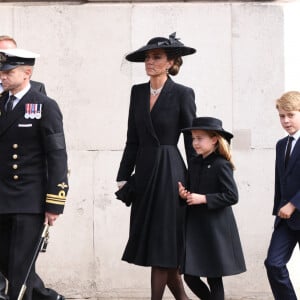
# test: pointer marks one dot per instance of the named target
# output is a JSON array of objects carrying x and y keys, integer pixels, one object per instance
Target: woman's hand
[
  {"x": 120, "y": 184},
  {"x": 191, "y": 198}
]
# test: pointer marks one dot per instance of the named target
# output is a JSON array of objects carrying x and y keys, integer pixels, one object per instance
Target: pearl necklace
[{"x": 154, "y": 92}]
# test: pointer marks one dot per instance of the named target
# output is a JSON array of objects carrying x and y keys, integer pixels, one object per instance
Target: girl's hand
[
  {"x": 183, "y": 192},
  {"x": 194, "y": 199}
]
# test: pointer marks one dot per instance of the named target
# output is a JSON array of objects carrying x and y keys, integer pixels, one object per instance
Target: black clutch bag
[{"x": 127, "y": 192}]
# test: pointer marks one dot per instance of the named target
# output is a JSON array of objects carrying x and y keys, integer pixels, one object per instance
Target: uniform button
[
  {"x": 15, "y": 166},
  {"x": 16, "y": 177},
  {"x": 15, "y": 146},
  {"x": 15, "y": 156}
]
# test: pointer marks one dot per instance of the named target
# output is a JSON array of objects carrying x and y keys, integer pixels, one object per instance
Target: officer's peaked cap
[{"x": 12, "y": 58}]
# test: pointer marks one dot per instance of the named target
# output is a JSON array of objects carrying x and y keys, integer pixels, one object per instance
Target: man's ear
[{"x": 28, "y": 71}]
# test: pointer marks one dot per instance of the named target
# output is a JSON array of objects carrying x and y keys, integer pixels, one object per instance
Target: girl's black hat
[
  {"x": 171, "y": 45},
  {"x": 209, "y": 123}
]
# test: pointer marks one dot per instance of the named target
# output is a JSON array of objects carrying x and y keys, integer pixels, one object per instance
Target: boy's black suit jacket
[{"x": 287, "y": 182}]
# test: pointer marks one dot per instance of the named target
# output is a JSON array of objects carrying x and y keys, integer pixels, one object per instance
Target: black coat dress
[
  {"x": 213, "y": 247},
  {"x": 157, "y": 214}
]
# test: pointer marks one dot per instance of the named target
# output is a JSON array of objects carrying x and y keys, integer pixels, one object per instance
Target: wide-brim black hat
[
  {"x": 209, "y": 123},
  {"x": 171, "y": 45}
]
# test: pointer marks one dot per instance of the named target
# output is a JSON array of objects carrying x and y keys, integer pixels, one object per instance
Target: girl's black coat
[
  {"x": 213, "y": 247},
  {"x": 156, "y": 224}
]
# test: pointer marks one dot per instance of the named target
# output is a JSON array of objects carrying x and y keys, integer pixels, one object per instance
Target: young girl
[{"x": 213, "y": 247}]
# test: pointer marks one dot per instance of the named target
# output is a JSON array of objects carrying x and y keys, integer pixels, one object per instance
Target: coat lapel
[
  {"x": 144, "y": 97},
  {"x": 18, "y": 111},
  {"x": 3, "y": 98},
  {"x": 294, "y": 157},
  {"x": 280, "y": 155},
  {"x": 145, "y": 94},
  {"x": 163, "y": 96}
]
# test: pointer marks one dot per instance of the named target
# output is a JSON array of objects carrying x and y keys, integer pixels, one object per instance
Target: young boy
[{"x": 286, "y": 208}]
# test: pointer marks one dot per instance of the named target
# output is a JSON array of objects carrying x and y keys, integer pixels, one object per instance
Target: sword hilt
[
  {"x": 46, "y": 236},
  {"x": 22, "y": 292}
]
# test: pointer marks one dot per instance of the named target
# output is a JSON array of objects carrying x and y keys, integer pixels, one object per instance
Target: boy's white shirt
[{"x": 296, "y": 137}]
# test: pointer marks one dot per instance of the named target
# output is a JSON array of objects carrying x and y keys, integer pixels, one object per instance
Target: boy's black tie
[
  {"x": 288, "y": 151},
  {"x": 9, "y": 104}
]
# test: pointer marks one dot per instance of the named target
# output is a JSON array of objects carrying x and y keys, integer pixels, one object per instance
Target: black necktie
[
  {"x": 10, "y": 102},
  {"x": 288, "y": 150}
]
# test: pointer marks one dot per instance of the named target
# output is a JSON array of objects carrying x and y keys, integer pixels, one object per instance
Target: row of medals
[{"x": 33, "y": 111}]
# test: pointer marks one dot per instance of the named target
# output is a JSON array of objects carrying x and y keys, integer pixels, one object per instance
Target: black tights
[
  {"x": 201, "y": 290},
  {"x": 160, "y": 277}
]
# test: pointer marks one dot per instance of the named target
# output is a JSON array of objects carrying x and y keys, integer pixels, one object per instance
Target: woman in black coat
[
  {"x": 158, "y": 110},
  {"x": 213, "y": 247}
]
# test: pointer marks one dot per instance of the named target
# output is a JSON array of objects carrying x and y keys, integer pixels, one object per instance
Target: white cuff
[{"x": 120, "y": 184}]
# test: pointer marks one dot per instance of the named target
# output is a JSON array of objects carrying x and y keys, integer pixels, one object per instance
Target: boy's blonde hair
[
  {"x": 289, "y": 101},
  {"x": 222, "y": 146}
]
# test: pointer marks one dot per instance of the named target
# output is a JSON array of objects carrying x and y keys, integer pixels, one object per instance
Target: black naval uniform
[
  {"x": 33, "y": 180},
  {"x": 38, "y": 86}
]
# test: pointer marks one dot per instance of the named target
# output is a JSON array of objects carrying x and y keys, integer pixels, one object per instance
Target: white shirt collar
[
  {"x": 296, "y": 135},
  {"x": 20, "y": 94}
]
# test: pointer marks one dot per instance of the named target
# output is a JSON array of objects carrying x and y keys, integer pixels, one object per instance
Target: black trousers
[
  {"x": 281, "y": 248},
  {"x": 19, "y": 234}
]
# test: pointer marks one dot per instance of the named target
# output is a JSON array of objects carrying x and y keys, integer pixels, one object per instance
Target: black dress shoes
[{"x": 59, "y": 297}]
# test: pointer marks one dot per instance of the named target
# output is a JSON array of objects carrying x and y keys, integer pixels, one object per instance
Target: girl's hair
[
  {"x": 222, "y": 146},
  {"x": 174, "y": 70}
]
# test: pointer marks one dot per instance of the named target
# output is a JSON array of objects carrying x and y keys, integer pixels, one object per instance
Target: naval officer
[
  {"x": 7, "y": 42},
  {"x": 33, "y": 173}
]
